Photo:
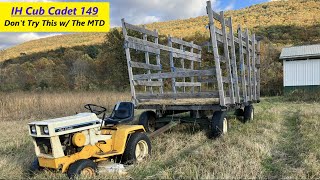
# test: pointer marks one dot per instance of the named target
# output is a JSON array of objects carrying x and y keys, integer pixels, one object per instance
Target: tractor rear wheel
[
  {"x": 219, "y": 124},
  {"x": 82, "y": 168},
  {"x": 148, "y": 120},
  {"x": 137, "y": 149}
]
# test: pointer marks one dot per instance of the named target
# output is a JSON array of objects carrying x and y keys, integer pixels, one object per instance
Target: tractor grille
[{"x": 44, "y": 145}]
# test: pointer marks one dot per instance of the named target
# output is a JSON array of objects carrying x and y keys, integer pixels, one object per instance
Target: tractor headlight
[
  {"x": 45, "y": 130},
  {"x": 33, "y": 129}
]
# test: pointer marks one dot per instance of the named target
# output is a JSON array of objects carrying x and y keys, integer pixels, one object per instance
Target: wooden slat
[
  {"x": 174, "y": 74},
  {"x": 141, "y": 30},
  {"x": 141, "y": 47},
  {"x": 187, "y": 84},
  {"x": 178, "y": 95},
  {"x": 147, "y": 83},
  {"x": 192, "y": 67},
  {"x": 156, "y": 41},
  {"x": 146, "y": 55},
  {"x": 182, "y": 66},
  {"x": 185, "y": 43},
  {"x": 191, "y": 58},
  {"x": 215, "y": 15},
  {"x": 212, "y": 80},
  {"x": 234, "y": 63},
  {"x": 141, "y": 42},
  {"x": 242, "y": 67},
  {"x": 227, "y": 56},
  {"x": 258, "y": 71},
  {"x": 145, "y": 66},
  {"x": 216, "y": 54},
  {"x": 127, "y": 50},
  {"x": 249, "y": 66},
  {"x": 172, "y": 68},
  {"x": 254, "y": 68}
]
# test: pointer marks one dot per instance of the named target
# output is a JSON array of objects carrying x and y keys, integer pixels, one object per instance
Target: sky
[{"x": 139, "y": 12}]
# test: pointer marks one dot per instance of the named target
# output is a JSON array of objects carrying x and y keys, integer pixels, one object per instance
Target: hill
[
  {"x": 52, "y": 43},
  {"x": 282, "y": 22}
]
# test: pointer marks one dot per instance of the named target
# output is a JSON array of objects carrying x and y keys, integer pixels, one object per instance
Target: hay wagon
[{"x": 173, "y": 82}]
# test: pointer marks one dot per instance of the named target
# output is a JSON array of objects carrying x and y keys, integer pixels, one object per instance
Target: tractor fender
[{"x": 122, "y": 134}]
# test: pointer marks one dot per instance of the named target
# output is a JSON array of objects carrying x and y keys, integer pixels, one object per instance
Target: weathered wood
[
  {"x": 187, "y": 84},
  {"x": 145, "y": 66},
  {"x": 163, "y": 129},
  {"x": 182, "y": 66},
  {"x": 148, "y": 44},
  {"x": 254, "y": 68},
  {"x": 185, "y": 43},
  {"x": 156, "y": 41},
  {"x": 191, "y": 58},
  {"x": 127, "y": 50},
  {"x": 212, "y": 80},
  {"x": 227, "y": 56},
  {"x": 179, "y": 74},
  {"x": 178, "y": 95},
  {"x": 140, "y": 29},
  {"x": 242, "y": 67},
  {"x": 249, "y": 65},
  {"x": 172, "y": 68},
  {"x": 147, "y": 83},
  {"x": 216, "y": 54},
  {"x": 234, "y": 63},
  {"x": 141, "y": 47},
  {"x": 146, "y": 56},
  {"x": 258, "y": 71},
  {"x": 191, "y": 67}
]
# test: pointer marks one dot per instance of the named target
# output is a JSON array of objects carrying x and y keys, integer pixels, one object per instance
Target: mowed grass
[{"x": 282, "y": 142}]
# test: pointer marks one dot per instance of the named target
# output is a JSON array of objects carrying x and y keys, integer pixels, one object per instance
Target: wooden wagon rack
[{"x": 177, "y": 80}]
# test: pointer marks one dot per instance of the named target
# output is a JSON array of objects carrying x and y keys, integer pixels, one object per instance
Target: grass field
[{"x": 282, "y": 142}]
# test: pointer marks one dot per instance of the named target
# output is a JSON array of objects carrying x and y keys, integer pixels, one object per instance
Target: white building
[{"x": 301, "y": 67}]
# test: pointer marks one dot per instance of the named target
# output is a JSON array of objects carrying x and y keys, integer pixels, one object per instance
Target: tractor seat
[{"x": 123, "y": 112}]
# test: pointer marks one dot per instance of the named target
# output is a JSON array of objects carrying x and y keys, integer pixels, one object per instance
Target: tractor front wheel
[
  {"x": 82, "y": 168},
  {"x": 137, "y": 149}
]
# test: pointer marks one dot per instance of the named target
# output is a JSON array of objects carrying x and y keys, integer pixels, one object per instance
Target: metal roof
[{"x": 297, "y": 52}]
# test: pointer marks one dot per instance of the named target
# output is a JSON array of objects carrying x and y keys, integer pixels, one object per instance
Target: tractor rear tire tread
[{"x": 129, "y": 156}]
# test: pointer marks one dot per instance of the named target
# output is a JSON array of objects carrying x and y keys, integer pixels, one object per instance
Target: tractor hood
[{"x": 64, "y": 125}]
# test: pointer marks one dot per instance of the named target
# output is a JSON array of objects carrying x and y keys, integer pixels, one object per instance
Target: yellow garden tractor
[{"x": 75, "y": 144}]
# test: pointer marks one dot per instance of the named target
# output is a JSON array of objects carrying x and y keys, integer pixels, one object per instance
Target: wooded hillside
[{"x": 97, "y": 61}]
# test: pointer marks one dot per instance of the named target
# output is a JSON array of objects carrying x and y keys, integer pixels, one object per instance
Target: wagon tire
[
  {"x": 219, "y": 124},
  {"x": 248, "y": 113},
  {"x": 148, "y": 120},
  {"x": 239, "y": 113}
]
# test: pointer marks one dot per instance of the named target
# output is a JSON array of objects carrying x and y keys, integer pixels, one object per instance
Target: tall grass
[{"x": 282, "y": 141}]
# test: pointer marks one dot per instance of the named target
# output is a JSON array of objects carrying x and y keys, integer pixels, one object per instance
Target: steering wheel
[{"x": 95, "y": 108}]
